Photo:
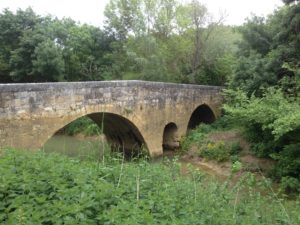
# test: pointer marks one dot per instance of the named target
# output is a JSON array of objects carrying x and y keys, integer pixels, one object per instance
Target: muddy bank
[{"x": 222, "y": 170}]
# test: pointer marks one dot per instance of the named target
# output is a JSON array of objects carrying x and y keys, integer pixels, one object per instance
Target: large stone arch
[
  {"x": 122, "y": 128},
  {"x": 120, "y": 132}
]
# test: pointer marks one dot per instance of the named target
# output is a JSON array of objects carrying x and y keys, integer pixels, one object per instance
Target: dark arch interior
[
  {"x": 121, "y": 134},
  {"x": 170, "y": 138},
  {"x": 202, "y": 114}
]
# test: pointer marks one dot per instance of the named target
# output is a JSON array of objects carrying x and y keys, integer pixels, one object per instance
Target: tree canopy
[
  {"x": 160, "y": 40},
  {"x": 41, "y": 49}
]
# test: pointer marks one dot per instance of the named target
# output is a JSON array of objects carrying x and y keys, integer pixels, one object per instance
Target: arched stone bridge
[{"x": 132, "y": 113}]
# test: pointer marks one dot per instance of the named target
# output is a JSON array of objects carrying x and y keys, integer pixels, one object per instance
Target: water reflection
[{"x": 77, "y": 146}]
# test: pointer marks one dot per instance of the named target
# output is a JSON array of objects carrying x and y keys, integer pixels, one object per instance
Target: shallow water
[
  {"x": 94, "y": 147},
  {"x": 75, "y": 146}
]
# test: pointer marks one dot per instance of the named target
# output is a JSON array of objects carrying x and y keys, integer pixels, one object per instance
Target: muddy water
[
  {"x": 93, "y": 148},
  {"x": 76, "y": 146}
]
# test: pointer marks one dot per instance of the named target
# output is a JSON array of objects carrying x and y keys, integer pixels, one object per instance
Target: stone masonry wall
[{"x": 32, "y": 113}]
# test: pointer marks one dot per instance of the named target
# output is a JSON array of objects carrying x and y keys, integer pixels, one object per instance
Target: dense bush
[
  {"x": 36, "y": 188},
  {"x": 219, "y": 150},
  {"x": 272, "y": 125},
  {"x": 213, "y": 150},
  {"x": 194, "y": 137}
]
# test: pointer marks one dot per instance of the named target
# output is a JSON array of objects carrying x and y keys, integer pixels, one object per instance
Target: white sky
[{"x": 91, "y": 11}]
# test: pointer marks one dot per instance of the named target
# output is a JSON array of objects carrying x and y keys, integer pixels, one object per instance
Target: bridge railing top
[{"x": 18, "y": 87}]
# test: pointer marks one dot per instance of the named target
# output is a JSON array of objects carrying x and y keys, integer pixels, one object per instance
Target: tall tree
[
  {"x": 39, "y": 49},
  {"x": 12, "y": 28},
  {"x": 269, "y": 53},
  {"x": 48, "y": 64}
]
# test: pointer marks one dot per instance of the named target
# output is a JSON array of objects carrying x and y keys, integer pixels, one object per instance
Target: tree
[
  {"x": 267, "y": 46},
  {"x": 123, "y": 18},
  {"x": 12, "y": 28},
  {"x": 289, "y": 1},
  {"x": 177, "y": 42},
  {"x": 48, "y": 64},
  {"x": 40, "y": 49},
  {"x": 198, "y": 19}
]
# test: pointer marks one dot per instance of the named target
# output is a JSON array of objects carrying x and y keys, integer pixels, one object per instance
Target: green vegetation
[
  {"x": 219, "y": 150},
  {"x": 209, "y": 149},
  {"x": 44, "y": 49},
  {"x": 272, "y": 125},
  {"x": 268, "y": 54},
  {"x": 158, "y": 40},
  {"x": 39, "y": 188},
  {"x": 84, "y": 125},
  {"x": 263, "y": 94}
]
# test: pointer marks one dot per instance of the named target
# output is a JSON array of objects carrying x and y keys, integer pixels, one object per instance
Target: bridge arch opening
[
  {"x": 119, "y": 132},
  {"x": 202, "y": 114},
  {"x": 170, "y": 137}
]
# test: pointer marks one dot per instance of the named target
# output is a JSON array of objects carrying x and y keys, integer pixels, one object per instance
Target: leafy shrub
[
  {"x": 223, "y": 123},
  {"x": 215, "y": 150},
  {"x": 196, "y": 136},
  {"x": 236, "y": 167},
  {"x": 219, "y": 151},
  {"x": 290, "y": 184},
  {"x": 288, "y": 161},
  {"x": 273, "y": 112},
  {"x": 235, "y": 148}
]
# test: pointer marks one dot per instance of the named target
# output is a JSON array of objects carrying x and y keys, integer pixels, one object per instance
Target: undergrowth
[
  {"x": 39, "y": 188},
  {"x": 272, "y": 126},
  {"x": 219, "y": 151},
  {"x": 212, "y": 150}
]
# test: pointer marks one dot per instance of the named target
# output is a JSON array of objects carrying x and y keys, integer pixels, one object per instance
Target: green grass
[{"x": 40, "y": 188}]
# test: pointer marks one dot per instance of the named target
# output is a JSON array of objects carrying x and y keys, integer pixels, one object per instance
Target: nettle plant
[{"x": 39, "y": 188}]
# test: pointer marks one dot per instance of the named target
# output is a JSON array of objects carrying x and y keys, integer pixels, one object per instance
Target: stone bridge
[{"x": 133, "y": 114}]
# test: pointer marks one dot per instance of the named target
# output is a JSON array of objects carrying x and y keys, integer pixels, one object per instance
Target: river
[{"x": 94, "y": 147}]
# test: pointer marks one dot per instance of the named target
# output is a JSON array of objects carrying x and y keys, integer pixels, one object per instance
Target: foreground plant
[{"x": 39, "y": 188}]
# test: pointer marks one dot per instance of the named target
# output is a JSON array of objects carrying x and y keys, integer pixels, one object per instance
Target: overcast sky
[{"x": 91, "y": 11}]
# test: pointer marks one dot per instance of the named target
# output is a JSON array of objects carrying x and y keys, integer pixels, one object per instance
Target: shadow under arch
[
  {"x": 202, "y": 114},
  {"x": 170, "y": 137},
  {"x": 120, "y": 133}
]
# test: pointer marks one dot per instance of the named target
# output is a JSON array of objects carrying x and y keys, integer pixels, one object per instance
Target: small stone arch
[
  {"x": 202, "y": 114},
  {"x": 170, "y": 137},
  {"x": 119, "y": 131}
]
